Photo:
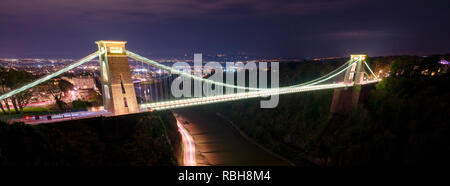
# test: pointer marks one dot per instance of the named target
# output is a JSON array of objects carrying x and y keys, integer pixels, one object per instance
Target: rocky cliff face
[{"x": 131, "y": 140}]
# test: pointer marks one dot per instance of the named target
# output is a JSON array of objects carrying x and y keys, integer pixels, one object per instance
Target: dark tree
[
  {"x": 58, "y": 88},
  {"x": 13, "y": 79}
]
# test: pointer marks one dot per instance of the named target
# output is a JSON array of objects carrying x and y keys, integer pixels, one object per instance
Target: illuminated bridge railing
[{"x": 237, "y": 96}]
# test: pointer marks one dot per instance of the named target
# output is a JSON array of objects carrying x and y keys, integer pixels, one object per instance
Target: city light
[{"x": 50, "y": 76}]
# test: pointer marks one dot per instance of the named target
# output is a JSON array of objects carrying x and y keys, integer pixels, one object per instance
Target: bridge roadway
[{"x": 164, "y": 105}]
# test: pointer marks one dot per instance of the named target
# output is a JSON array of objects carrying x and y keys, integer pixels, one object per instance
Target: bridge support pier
[
  {"x": 119, "y": 96},
  {"x": 345, "y": 100}
]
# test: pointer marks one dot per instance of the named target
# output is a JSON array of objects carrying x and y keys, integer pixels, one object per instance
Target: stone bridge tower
[{"x": 119, "y": 96}]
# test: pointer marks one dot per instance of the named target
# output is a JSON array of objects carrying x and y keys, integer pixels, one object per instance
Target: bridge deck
[{"x": 164, "y": 105}]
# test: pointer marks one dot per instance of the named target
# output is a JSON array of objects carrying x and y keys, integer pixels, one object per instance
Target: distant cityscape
[{"x": 39, "y": 66}]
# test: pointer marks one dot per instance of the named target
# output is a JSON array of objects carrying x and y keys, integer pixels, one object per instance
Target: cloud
[
  {"x": 350, "y": 35},
  {"x": 165, "y": 8}
]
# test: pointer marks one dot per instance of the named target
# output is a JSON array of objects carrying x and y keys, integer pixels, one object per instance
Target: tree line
[{"x": 11, "y": 79}]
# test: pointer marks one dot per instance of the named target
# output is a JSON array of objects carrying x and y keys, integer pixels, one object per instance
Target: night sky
[{"x": 309, "y": 28}]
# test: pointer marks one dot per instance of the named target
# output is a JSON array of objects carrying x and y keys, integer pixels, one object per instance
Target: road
[
  {"x": 217, "y": 143},
  {"x": 70, "y": 97},
  {"x": 188, "y": 146},
  {"x": 61, "y": 117}
]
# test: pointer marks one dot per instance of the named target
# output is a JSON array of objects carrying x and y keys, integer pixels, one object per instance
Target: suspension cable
[
  {"x": 153, "y": 63},
  {"x": 313, "y": 82},
  {"x": 50, "y": 76},
  {"x": 371, "y": 70},
  {"x": 334, "y": 75},
  {"x": 346, "y": 65}
]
